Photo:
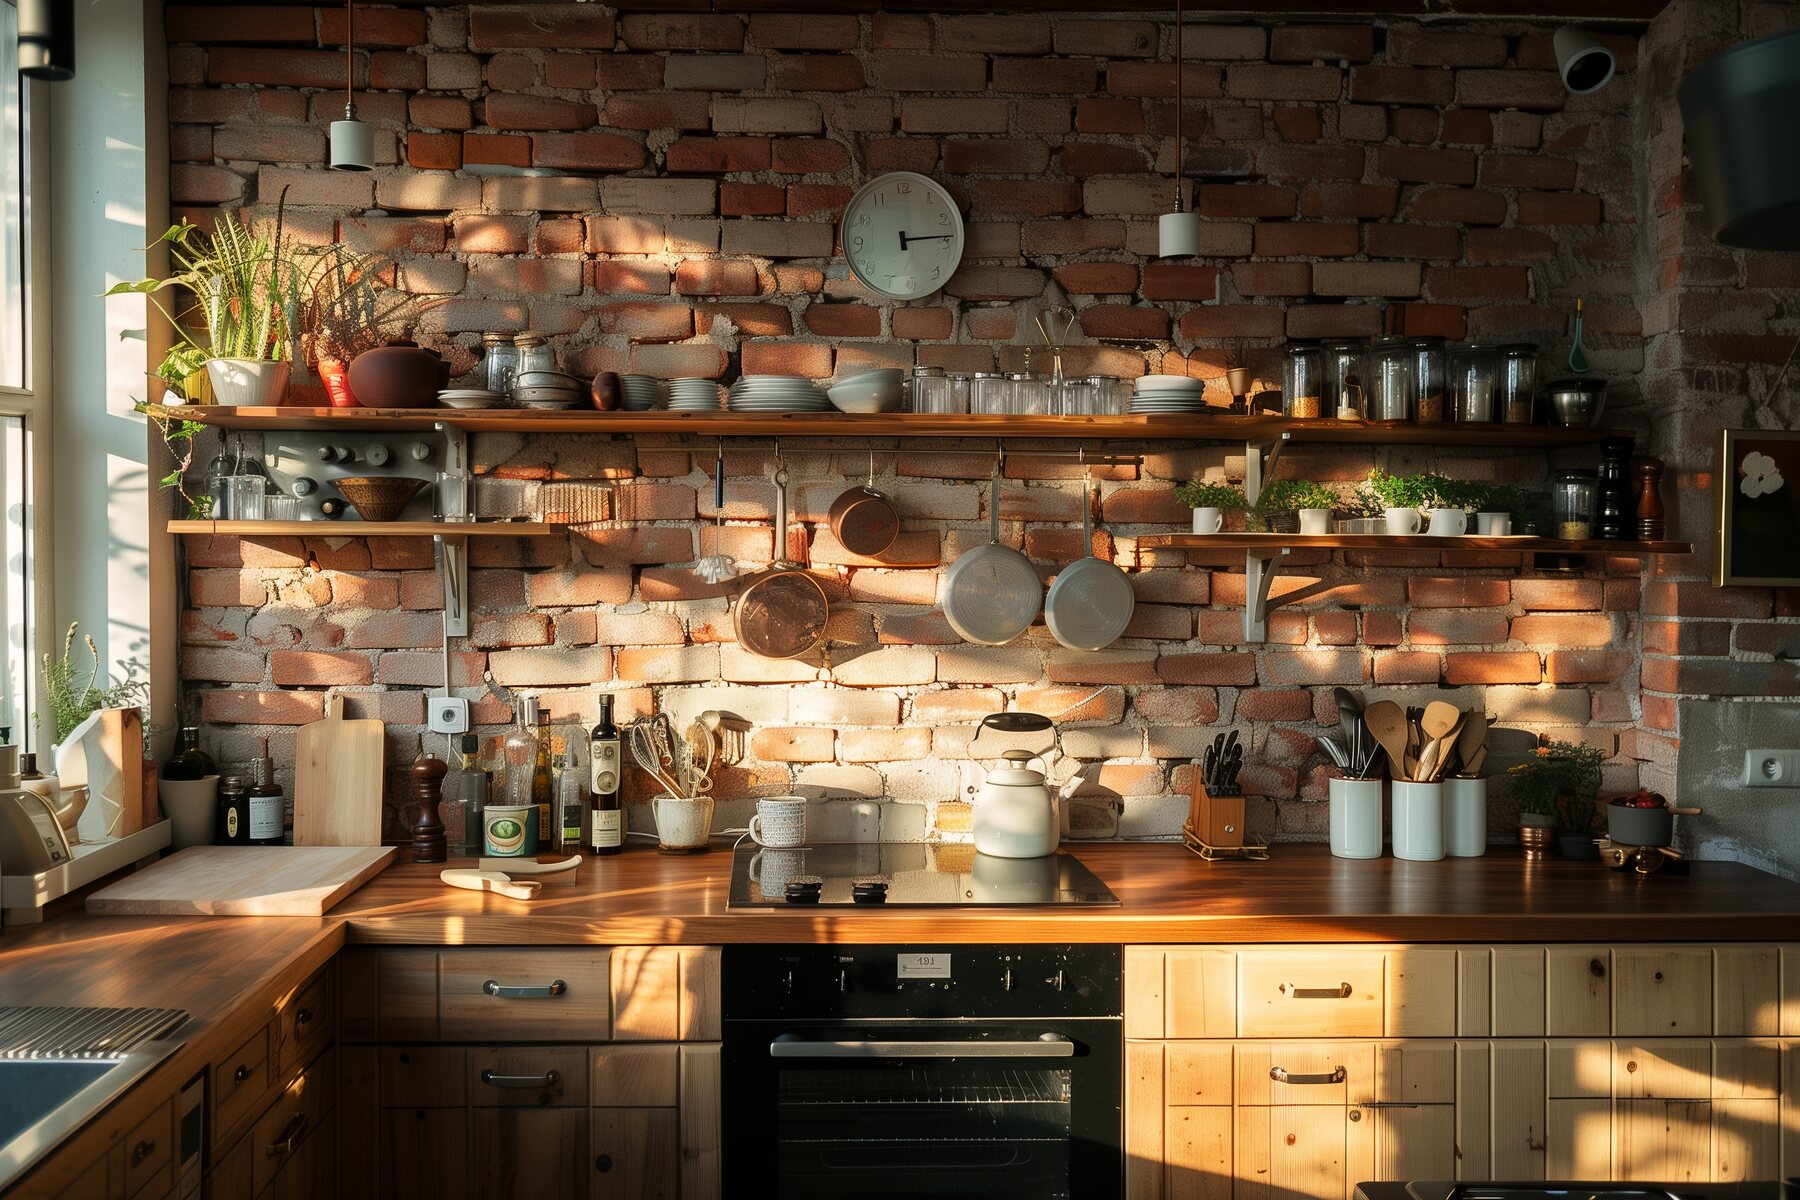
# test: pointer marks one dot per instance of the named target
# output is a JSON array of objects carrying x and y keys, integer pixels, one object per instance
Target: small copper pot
[{"x": 865, "y": 521}]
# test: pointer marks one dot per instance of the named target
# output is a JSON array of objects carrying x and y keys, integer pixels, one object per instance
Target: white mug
[
  {"x": 682, "y": 825},
  {"x": 1315, "y": 520},
  {"x": 1402, "y": 521},
  {"x": 1208, "y": 520},
  {"x": 779, "y": 821},
  {"x": 770, "y": 870},
  {"x": 1493, "y": 524},
  {"x": 1448, "y": 522}
]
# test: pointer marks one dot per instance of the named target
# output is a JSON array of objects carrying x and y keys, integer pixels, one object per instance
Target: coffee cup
[
  {"x": 1315, "y": 520},
  {"x": 1448, "y": 522},
  {"x": 1208, "y": 520},
  {"x": 1493, "y": 524},
  {"x": 779, "y": 821},
  {"x": 683, "y": 824},
  {"x": 1401, "y": 522}
]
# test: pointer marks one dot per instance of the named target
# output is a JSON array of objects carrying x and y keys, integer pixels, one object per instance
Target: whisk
[{"x": 717, "y": 567}]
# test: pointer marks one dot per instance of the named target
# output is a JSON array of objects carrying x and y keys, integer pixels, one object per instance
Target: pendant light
[
  {"x": 352, "y": 141},
  {"x": 1178, "y": 232},
  {"x": 47, "y": 39}
]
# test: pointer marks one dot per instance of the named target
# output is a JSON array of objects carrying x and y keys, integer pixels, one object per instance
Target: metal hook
[{"x": 871, "y": 468}]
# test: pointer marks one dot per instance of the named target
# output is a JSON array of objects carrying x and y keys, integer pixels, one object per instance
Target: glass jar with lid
[
  {"x": 1574, "y": 501},
  {"x": 959, "y": 391},
  {"x": 499, "y": 361},
  {"x": 1389, "y": 398},
  {"x": 1303, "y": 381},
  {"x": 1342, "y": 363},
  {"x": 1518, "y": 383},
  {"x": 1112, "y": 395},
  {"x": 989, "y": 392},
  {"x": 1075, "y": 398},
  {"x": 1430, "y": 369},
  {"x": 1474, "y": 373},
  {"x": 928, "y": 391},
  {"x": 1030, "y": 396},
  {"x": 535, "y": 353}
]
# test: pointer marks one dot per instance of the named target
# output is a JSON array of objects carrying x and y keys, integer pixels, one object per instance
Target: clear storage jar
[
  {"x": 1342, "y": 363},
  {"x": 1430, "y": 369},
  {"x": 535, "y": 353},
  {"x": 1112, "y": 395},
  {"x": 959, "y": 391},
  {"x": 1518, "y": 383},
  {"x": 1075, "y": 398},
  {"x": 1574, "y": 502},
  {"x": 928, "y": 391},
  {"x": 1303, "y": 381},
  {"x": 499, "y": 361},
  {"x": 1030, "y": 396},
  {"x": 1390, "y": 394},
  {"x": 1474, "y": 374},
  {"x": 989, "y": 393}
]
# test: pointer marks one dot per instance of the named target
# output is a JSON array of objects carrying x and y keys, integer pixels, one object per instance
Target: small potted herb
[
  {"x": 1555, "y": 788},
  {"x": 1210, "y": 502},
  {"x": 1283, "y": 503}
]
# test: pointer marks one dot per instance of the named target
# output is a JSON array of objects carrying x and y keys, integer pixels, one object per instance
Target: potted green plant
[
  {"x": 344, "y": 308},
  {"x": 1555, "y": 788},
  {"x": 87, "y": 750},
  {"x": 1210, "y": 502},
  {"x": 1280, "y": 507}
]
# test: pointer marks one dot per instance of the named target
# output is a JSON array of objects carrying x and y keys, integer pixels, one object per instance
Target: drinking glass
[{"x": 248, "y": 496}]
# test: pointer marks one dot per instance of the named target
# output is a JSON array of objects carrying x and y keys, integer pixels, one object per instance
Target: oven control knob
[
  {"x": 376, "y": 455},
  {"x": 1006, "y": 980},
  {"x": 843, "y": 980},
  {"x": 1056, "y": 980},
  {"x": 869, "y": 891},
  {"x": 804, "y": 890}
]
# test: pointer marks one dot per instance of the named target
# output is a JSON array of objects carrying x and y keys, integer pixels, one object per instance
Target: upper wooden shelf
[
  {"x": 354, "y": 528},
  {"x": 1225, "y": 427},
  {"x": 1269, "y": 545}
]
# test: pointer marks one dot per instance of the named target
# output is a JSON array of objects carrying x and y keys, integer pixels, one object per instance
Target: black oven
[{"x": 923, "y": 1071}]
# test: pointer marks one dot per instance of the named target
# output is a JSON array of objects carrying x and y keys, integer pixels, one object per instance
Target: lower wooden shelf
[
  {"x": 1270, "y": 545},
  {"x": 455, "y": 529}
]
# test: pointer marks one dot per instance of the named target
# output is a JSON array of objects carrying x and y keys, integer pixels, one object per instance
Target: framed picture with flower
[{"x": 1759, "y": 508}]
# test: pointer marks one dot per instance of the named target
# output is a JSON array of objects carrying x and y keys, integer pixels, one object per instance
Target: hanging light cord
[
  {"x": 350, "y": 64},
  {"x": 1180, "y": 103}
]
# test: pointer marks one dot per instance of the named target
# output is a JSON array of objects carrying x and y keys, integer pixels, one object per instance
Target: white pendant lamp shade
[
  {"x": 1583, "y": 60},
  {"x": 1178, "y": 235},
  {"x": 352, "y": 143}
]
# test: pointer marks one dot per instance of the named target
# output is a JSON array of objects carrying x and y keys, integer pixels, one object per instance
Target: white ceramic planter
[
  {"x": 248, "y": 384},
  {"x": 1465, "y": 817},
  {"x": 1418, "y": 821},
  {"x": 1356, "y": 818}
]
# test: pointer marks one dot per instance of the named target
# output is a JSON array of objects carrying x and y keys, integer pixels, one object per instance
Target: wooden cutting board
[
  {"x": 338, "y": 780},
  {"x": 243, "y": 881}
]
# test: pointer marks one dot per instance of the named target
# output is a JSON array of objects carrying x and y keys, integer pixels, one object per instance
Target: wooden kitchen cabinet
[{"x": 528, "y": 1153}]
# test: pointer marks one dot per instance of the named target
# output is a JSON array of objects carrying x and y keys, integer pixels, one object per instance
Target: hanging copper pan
[
  {"x": 782, "y": 614},
  {"x": 864, "y": 519}
]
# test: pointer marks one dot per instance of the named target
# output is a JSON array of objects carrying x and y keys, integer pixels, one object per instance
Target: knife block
[{"x": 1215, "y": 824}]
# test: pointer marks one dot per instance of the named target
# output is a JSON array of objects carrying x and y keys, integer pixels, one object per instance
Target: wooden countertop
[{"x": 1302, "y": 894}]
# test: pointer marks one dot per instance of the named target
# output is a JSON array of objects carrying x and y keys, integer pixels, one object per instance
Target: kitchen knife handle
[
  {"x": 1342, "y": 991},
  {"x": 1280, "y": 1075},
  {"x": 532, "y": 991},
  {"x": 285, "y": 1143},
  {"x": 547, "y": 1079}
]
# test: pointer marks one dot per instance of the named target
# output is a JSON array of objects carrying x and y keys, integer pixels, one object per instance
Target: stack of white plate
[
  {"x": 642, "y": 393},
  {"x": 693, "y": 395},
  {"x": 1168, "y": 394},
  {"x": 777, "y": 393},
  {"x": 470, "y": 398}
]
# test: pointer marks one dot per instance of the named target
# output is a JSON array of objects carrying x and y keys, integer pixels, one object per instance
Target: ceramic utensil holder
[
  {"x": 1356, "y": 818},
  {"x": 1465, "y": 817},
  {"x": 1418, "y": 821},
  {"x": 191, "y": 804},
  {"x": 683, "y": 824}
]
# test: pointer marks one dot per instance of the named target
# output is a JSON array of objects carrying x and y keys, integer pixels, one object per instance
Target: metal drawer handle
[
  {"x": 241, "y": 1074},
  {"x": 547, "y": 1079},
  {"x": 1280, "y": 1075},
  {"x": 1342, "y": 991},
  {"x": 303, "y": 1017},
  {"x": 1050, "y": 1045},
  {"x": 289, "y": 1136},
  {"x": 142, "y": 1150},
  {"x": 530, "y": 991}
]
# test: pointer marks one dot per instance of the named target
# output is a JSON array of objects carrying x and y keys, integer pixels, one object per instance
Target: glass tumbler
[
  {"x": 1518, "y": 383},
  {"x": 281, "y": 508},
  {"x": 248, "y": 494},
  {"x": 1473, "y": 372},
  {"x": 455, "y": 496},
  {"x": 1390, "y": 396}
]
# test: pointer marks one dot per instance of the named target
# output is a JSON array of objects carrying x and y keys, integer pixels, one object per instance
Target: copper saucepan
[
  {"x": 864, "y": 519},
  {"x": 782, "y": 614}
]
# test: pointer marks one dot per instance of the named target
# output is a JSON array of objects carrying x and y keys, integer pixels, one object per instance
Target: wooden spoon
[
  {"x": 1385, "y": 720},
  {"x": 1437, "y": 728},
  {"x": 1444, "y": 748},
  {"x": 1472, "y": 738}
]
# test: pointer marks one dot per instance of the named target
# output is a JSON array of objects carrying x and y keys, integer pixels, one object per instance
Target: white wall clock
[{"x": 902, "y": 235}]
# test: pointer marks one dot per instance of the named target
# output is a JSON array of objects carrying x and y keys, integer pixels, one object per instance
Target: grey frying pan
[
  {"x": 991, "y": 593},
  {"x": 1091, "y": 601}
]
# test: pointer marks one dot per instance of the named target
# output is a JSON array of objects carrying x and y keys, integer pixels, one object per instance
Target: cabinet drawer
[
  {"x": 1311, "y": 994},
  {"x": 528, "y": 1077},
  {"x": 561, "y": 994},
  {"x": 1662, "y": 991},
  {"x": 150, "y": 1153},
  {"x": 1288, "y": 1073},
  {"x": 423, "y": 1077},
  {"x": 240, "y": 1084},
  {"x": 299, "y": 1110},
  {"x": 636, "y": 1076},
  {"x": 304, "y": 1020}
]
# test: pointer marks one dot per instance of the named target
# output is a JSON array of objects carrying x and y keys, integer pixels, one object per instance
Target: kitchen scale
[{"x": 906, "y": 875}]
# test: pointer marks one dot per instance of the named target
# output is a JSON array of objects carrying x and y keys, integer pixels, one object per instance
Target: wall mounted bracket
[{"x": 452, "y": 552}]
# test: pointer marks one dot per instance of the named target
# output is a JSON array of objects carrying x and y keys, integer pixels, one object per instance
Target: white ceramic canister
[
  {"x": 1465, "y": 817},
  {"x": 1418, "y": 820},
  {"x": 1356, "y": 818}
]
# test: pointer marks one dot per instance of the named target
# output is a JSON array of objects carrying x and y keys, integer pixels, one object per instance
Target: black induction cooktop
[{"x": 906, "y": 875}]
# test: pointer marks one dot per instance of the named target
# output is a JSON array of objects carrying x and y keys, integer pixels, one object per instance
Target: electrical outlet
[
  {"x": 1772, "y": 768},
  {"x": 449, "y": 714}
]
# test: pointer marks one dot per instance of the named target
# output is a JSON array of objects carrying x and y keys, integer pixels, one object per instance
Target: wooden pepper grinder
[
  {"x": 1649, "y": 472},
  {"x": 428, "y": 828}
]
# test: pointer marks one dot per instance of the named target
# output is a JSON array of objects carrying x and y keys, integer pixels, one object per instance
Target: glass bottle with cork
[
  {"x": 543, "y": 790},
  {"x": 606, "y": 819},
  {"x": 189, "y": 762},
  {"x": 567, "y": 763},
  {"x": 265, "y": 801}
]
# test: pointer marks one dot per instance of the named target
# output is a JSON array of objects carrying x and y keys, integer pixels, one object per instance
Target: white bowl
[
  {"x": 861, "y": 395},
  {"x": 875, "y": 375}
]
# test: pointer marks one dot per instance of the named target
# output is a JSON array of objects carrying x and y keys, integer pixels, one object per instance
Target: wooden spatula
[
  {"x": 1444, "y": 749},
  {"x": 1388, "y": 723},
  {"x": 1437, "y": 731},
  {"x": 337, "y": 780},
  {"x": 1472, "y": 738},
  {"x": 491, "y": 881}
]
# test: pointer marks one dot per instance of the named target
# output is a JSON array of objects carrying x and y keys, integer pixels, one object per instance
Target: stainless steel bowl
[
  {"x": 1576, "y": 403},
  {"x": 549, "y": 379}
]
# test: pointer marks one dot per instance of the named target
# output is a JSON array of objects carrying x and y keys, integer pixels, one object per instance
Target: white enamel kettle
[{"x": 1016, "y": 815}]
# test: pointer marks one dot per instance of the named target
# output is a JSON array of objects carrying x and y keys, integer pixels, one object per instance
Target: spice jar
[
  {"x": 1030, "y": 396},
  {"x": 1474, "y": 371},
  {"x": 989, "y": 393},
  {"x": 535, "y": 353},
  {"x": 1574, "y": 497},
  {"x": 1518, "y": 383},
  {"x": 1303, "y": 381},
  {"x": 959, "y": 391},
  {"x": 500, "y": 361},
  {"x": 1390, "y": 395},
  {"x": 1342, "y": 363},
  {"x": 928, "y": 391},
  {"x": 1429, "y": 371},
  {"x": 1112, "y": 395}
]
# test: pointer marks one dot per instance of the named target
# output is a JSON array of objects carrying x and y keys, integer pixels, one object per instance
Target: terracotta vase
[
  {"x": 401, "y": 374},
  {"x": 336, "y": 375}
]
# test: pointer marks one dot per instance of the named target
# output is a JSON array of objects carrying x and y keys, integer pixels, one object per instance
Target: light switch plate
[
  {"x": 449, "y": 714},
  {"x": 1772, "y": 768}
]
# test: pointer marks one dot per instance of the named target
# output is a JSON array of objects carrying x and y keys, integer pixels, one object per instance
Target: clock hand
[{"x": 936, "y": 237}]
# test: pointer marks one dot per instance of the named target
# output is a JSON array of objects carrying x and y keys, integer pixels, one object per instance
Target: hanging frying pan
[
  {"x": 991, "y": 593},
  {"x": 864, "y": 519},
  {"x": 783, "y": 613},
  {"x": 1091, "y": 601}
]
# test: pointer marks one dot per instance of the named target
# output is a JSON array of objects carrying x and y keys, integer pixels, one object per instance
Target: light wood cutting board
[
  {"x": 338, "y": 780},
  {"x": 243, "y": 881}
]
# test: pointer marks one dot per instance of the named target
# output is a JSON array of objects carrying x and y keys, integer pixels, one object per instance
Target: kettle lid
[{"x": 1014, "y": 773}]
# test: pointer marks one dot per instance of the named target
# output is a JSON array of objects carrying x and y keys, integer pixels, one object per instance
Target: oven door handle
[{"x": 1049, "y": 1045}]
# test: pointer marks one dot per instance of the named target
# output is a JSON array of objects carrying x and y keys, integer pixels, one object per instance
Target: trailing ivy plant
[
  {"x": 178, "y": 434},
  {"x": 1198, "y": 493}
]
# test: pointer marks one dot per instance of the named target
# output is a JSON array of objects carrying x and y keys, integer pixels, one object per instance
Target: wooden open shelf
[
  {"x": 1225, "y": 427},
  {"x": 1268, "y": 545},
  {"x": 255, "y": 529}
]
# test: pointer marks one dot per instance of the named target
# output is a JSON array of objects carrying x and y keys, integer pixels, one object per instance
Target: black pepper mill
[
  {"x": 1614, "y": 523},
  {"x": 428, "y": 828}
]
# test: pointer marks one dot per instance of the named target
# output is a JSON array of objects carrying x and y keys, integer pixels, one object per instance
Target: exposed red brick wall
[{"x": 681, "y": 220}]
